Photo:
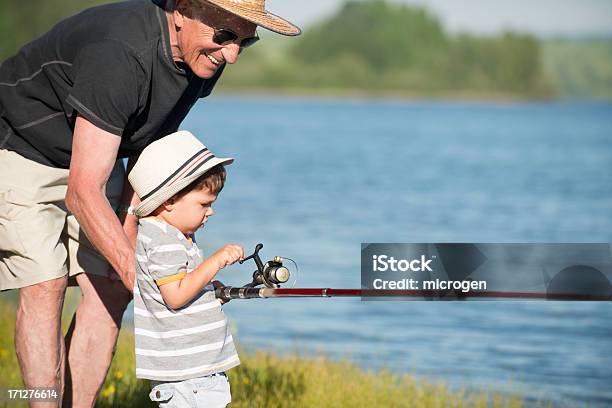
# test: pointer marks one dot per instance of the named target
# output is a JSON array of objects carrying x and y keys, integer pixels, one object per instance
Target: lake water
[{"x": 315, "y": 178}]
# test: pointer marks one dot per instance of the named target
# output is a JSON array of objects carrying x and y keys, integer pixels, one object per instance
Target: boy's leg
[
  {"x": 39, "y": 343},
  {"x": 92, "y": 337}
]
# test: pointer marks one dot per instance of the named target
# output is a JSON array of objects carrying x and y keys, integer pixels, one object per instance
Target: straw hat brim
[
  {"x": 149, "y": 205},
  {"x": 263, "y": 19}
]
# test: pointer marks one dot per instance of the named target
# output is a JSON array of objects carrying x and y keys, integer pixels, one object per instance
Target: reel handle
[{"x": 255, "y": 257}]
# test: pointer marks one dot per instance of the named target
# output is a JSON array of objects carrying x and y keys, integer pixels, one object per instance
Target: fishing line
[{"x": 294, "y": 276}]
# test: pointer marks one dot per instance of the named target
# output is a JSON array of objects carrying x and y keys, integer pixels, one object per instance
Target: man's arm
[{"x": 94, "y": 153}]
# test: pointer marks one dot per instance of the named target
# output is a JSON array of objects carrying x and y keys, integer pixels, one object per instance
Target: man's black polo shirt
[{"x": 111, "y": 64}]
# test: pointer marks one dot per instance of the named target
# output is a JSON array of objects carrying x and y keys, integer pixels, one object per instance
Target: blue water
[{"x": 315, "y": 178}]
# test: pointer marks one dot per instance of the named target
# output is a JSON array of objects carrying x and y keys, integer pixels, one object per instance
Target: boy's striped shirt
[{"x": 173, "y": 345}]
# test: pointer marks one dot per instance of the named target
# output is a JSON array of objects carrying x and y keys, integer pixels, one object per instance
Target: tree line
[{"x": 378, "y": 46}]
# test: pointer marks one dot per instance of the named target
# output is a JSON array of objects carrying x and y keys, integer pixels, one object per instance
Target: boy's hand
[
  {"x": 218, "y": 284},
  {"x": 228, "y": 255}
]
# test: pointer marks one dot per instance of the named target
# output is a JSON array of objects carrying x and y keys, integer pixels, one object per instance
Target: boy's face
[{"x": 191, "y": 211}]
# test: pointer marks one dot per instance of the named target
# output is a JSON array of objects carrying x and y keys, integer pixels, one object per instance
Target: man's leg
[
  {"x": 91, "y": 339},
  {"x": 38, "y": 335}
]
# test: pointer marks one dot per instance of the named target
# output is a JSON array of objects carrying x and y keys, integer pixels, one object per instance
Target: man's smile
[{"x": 213, "y": 59}]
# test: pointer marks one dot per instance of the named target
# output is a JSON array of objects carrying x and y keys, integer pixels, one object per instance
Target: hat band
[{"x": 185, "y": 170}]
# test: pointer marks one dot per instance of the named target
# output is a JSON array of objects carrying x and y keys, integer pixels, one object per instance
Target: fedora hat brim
[{"x": 149, "y": 205}]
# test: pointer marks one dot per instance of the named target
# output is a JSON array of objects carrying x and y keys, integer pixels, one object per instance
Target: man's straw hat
[
  {"x": 255, "y": 12},
  {"x": 167, "y": 166}
]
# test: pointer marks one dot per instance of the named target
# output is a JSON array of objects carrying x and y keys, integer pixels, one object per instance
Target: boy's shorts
[
  {"x": 210, "y": 391},
  {"x": 39, "y": 239}
]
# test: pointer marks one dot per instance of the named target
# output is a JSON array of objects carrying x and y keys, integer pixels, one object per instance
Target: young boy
[{"x": 183, "y": 343}]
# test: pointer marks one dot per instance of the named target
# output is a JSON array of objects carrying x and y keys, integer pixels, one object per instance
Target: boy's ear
[{"x": 169, "y": 204}]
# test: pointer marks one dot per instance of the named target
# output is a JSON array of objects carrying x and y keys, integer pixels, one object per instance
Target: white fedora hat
[{"x": 167, "y": 166}]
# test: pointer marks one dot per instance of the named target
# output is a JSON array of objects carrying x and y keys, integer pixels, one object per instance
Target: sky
[{"x": 543, "y": 18}]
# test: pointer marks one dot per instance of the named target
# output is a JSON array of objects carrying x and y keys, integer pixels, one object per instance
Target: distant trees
[
  {"x": 404, "y": 47},
  {"x": 380, "y": 35},
  {"x": 511, "y": 62},
  {"x": 23, "y": 20}
]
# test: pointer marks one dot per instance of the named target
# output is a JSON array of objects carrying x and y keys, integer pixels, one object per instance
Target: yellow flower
[
  {"x": 246, "y": 380},
  {"x": 118, "y": 375},
  {"x": 108, "y": 391}
]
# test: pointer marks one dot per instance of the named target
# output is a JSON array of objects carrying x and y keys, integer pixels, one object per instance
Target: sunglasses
[{"x": 224, "y": 36}]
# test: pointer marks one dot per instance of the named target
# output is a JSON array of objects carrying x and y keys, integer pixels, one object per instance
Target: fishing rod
[{"x": 273, "y": 273}]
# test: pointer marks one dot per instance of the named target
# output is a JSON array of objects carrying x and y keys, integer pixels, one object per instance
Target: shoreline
[{"x": 408, "y": 97}]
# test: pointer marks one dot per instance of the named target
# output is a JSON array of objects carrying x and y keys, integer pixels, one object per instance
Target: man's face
[{"x": 195, "y": 38}]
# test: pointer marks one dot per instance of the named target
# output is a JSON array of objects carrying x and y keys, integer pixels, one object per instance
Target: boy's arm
[{"x": 176, "y": 293}]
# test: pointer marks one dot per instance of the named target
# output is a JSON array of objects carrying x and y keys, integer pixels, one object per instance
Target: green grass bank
[{"x": 267, "y": 380}]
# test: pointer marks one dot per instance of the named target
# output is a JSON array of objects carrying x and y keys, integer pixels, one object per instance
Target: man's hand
[{"x": 227, "y": 255}]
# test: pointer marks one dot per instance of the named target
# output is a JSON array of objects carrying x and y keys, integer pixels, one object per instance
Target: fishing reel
[{"x": 271, "y": 274}]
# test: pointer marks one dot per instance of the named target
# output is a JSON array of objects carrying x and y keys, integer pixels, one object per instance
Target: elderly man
[{"x": 96, "y": 88}]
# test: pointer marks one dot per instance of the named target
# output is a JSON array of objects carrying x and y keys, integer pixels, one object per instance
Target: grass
[{"x": 267, "y": 380}]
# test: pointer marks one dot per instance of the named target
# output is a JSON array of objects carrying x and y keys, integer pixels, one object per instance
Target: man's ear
[{"x": 181, "y": 10}]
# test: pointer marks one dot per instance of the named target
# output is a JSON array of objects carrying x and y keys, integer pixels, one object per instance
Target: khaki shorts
[{"x": 39, "y": 239}]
